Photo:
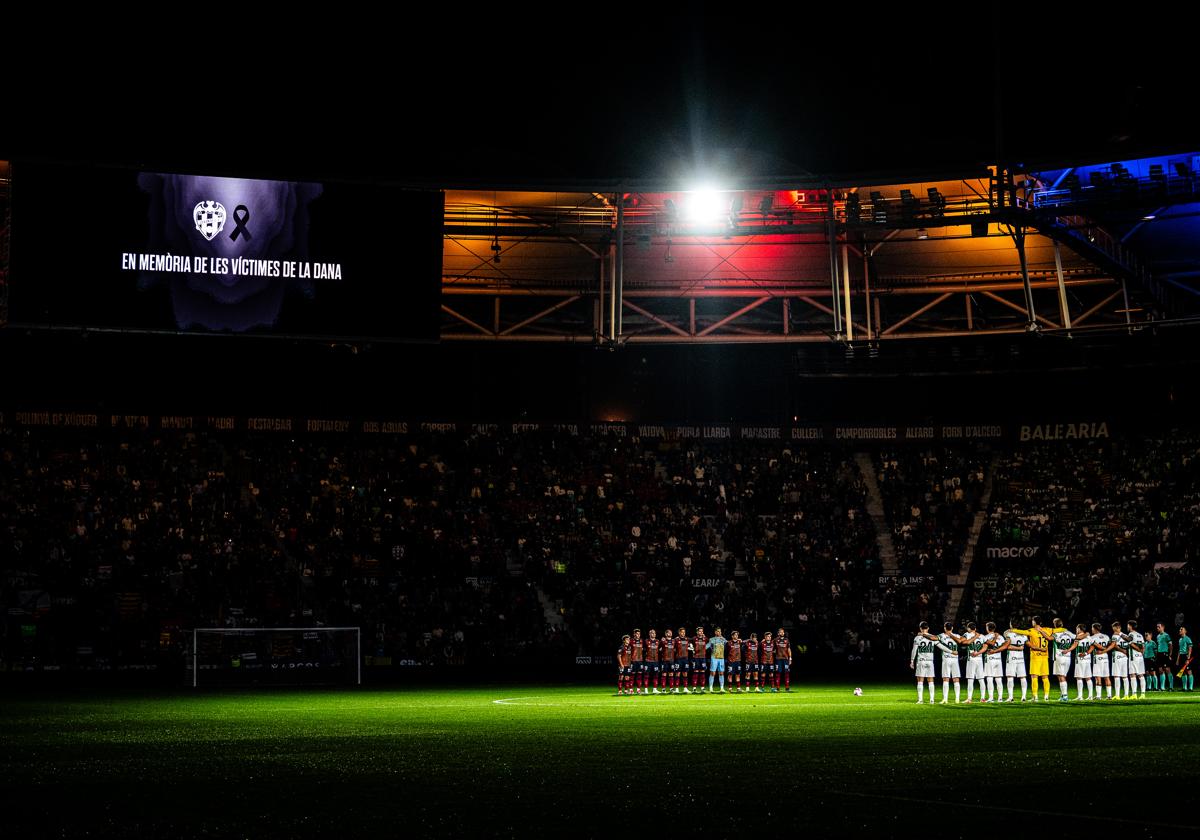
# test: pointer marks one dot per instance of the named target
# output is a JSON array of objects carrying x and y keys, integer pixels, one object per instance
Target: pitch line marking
[
  {"x": 613, "y": 701},
  {"x": 1007, "y": 809}
]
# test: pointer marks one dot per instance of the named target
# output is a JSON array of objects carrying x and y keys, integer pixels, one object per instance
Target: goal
[{"x": 262, "y": 656}]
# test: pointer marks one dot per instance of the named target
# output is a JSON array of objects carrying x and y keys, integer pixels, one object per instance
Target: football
[{"x": 858, "y": 692}]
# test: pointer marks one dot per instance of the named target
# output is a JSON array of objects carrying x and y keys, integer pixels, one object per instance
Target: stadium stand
[
  {"x": 451, "y": 549},
  {"x": 1092, "y": 530},
  {"x": 930, "y": 496}
]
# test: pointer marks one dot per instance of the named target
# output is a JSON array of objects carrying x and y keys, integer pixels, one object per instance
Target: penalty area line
[{"x": 1011, "y": 810}]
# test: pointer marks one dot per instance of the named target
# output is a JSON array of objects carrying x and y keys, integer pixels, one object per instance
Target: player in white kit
[
  {"x": 1083, "y": 663},
  {"x": 948, "y": 643},
  {"x": 1119, "y": 648},
  {"x": 1064, "y": 642},
  {"x": 993, "y": 666},
  {"x": 1014, "y": 644},
  {"x": 1100, "y": 665},
  {"x": 1137, "y": 660},
  {"x": 974, "y": 643},
  {"x": 921, "y": 661}
]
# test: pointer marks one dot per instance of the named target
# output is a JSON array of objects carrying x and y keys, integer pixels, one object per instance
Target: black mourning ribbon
[{"x": 241, "y": 215}]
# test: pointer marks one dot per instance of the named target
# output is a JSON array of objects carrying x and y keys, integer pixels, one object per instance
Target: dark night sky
[{"x": 615, "y": 92}]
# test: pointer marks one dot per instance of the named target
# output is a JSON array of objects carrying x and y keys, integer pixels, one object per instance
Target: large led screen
[{"x": 148, "y": 250}]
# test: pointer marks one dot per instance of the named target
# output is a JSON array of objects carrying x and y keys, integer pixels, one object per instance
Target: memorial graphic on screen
[
  {"x": 147, "y": 250},
  {"x": 247, "y": 242}
]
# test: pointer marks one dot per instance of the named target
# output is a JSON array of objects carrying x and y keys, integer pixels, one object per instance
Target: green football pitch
[{"x": 581, "y": 761}]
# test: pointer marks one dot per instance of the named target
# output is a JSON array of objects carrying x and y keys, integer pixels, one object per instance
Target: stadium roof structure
[{"x": 992, "y": 251}]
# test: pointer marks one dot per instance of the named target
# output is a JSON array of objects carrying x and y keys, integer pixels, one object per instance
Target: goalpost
[{"x": 253, "y": 656}]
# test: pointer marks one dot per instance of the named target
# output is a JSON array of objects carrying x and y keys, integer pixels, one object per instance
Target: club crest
[{"x": 209, "y": 217}]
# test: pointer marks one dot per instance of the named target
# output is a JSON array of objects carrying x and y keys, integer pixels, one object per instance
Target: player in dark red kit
[
  {"x": 682, "y": 665},
  {"x": 699, "y": 660},
  {"x": 639, "y": 663},
  {"x": 652, "y": 667},
  {"x": 625, "y": 666},
  {"x": 670, "y": 677},
  {"x": 767, "y": 662},
  {"x": 733, "y": 655},
  {"x": 783, "y": 659},
  {"x": 751, "y": 657}
]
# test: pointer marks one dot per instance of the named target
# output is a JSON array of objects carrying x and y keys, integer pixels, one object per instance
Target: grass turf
[{"x": 580, "y": 761}]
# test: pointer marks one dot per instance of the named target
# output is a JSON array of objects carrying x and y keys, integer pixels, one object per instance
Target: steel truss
[
  {"x": 762, "y": 314},
  {"x": 847, "y": 300}
]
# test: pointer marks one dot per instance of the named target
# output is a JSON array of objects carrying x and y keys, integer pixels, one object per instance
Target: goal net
[{"x": 263, "y": 656}]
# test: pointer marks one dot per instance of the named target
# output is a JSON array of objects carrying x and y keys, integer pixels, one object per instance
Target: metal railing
[{"x": 1117, "y": 184}]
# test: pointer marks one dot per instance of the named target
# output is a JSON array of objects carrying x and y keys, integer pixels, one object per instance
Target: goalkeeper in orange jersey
[{"x": 1039, "y": 655}]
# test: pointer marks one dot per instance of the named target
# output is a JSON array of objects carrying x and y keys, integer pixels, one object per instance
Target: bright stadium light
[{"x": 706, "y": 206}]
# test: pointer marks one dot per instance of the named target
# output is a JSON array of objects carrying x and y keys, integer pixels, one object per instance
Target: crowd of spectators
[
  {"x": 444, "y": 548},
  {"x": 1092, "y": 530},
  {"x": 751, "y": 536},
  {"x": 539, "y": 546},
  {"x": 113, "y": 547},
  {"x": 930, "y": 496}
]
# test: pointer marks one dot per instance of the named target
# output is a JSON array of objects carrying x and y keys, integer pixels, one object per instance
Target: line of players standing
[
  {"x": 677, "y": 663},
  {"x": 1125, "y": 661}
]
